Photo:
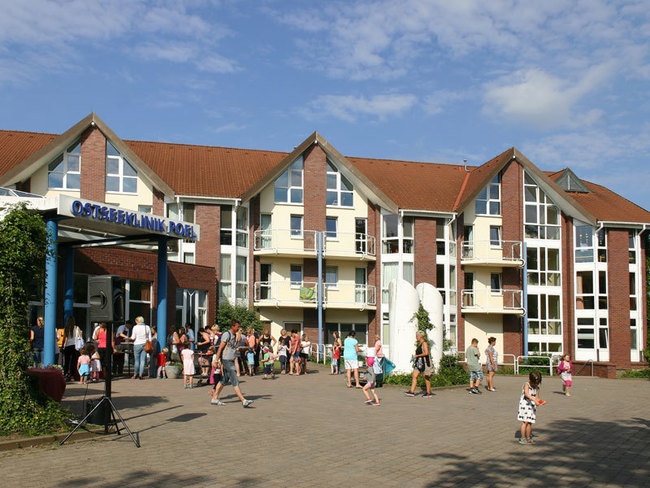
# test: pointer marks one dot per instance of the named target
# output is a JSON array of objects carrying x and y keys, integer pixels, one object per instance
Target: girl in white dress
[{"x": 527, "y": 414}]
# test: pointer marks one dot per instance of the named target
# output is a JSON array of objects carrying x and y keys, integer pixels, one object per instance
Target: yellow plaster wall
[{"x": 481, "y": 327}]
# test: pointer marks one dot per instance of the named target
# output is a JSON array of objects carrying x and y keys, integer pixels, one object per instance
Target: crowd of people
[{"x": 223, "y": 358}]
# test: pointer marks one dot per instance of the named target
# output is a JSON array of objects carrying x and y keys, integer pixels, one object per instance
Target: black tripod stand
[{"x": 109, "y": 419}]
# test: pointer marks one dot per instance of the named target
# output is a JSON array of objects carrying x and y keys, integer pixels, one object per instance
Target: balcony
[
  {"x": 288, "y": 243},
  {"x": 486, "y": 301},
  {"x": 304, "y": 295},
  {"x": 350, "y": 245},
  {"x": 492, "y": 253}
]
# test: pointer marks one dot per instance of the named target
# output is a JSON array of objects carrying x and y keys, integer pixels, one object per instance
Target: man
[
  {"x": 123, "y": 333},
  {"x": 473, "y": 364},
  {"x": 350, "y": 351},
  {"x": 226, "y": 356}
]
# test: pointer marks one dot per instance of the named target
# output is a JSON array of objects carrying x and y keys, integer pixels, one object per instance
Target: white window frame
[
  {"x": 332, "y": 270},
  {"x": 68, "y": 154},
  {"x": 496, "y": 243},
  {"x": 120, "y": 175},
  {"x": 332, "y": 235},
  {"x": 332, "y": 171},
  {"x": 296, "y": 284},
  {"x": 296, "y": 167},
  {"x": 299, "y": 232},
  {"x": 499, "y": 289},
  {"x": 486, "y": 196}
]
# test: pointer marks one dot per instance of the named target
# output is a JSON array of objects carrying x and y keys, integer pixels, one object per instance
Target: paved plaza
[{"x": 313, "y": 431}]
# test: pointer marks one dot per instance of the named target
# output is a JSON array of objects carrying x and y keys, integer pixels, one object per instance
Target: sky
[{"x": 566, "y": 82}]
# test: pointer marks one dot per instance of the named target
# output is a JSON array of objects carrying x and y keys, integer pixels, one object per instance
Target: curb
[{"x": 24, "y": 442}]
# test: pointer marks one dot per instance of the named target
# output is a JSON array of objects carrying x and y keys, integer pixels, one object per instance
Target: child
[
  {"x": 474, "y": 365},
  {"x": 95, "y": 366},
  {"x": 371, "y": 383},
  {"x": 187, "y": 355},
  {"x": 336, "y": 357},
  {"x": 161, "y": 361},
  {"x": 267, "y": 360},
  {"x": 282, "y": 356},
  {"x": 565, "y": 368},
  {"x": 83, "y": 366},
  {"x": 216, "y": 373},
  {"x": 530, "y": 398},
  {"x": 250, "y": 359}
]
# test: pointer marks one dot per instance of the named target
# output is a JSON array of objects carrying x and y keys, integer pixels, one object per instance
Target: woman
[
  {"x": 140, "y": 334},
  {"x": 379, "y": 353},
  {"x": 153, "y": 366},
  {"x": 422, "y": 364},
  {"x": 71, "y": 336},
  {"x": 204, "y": 342},
  {"x": 37, "y": 338},
  {"x": 252, "y": 343},
  {"x": 305, "y": 349},
  {"x": 101, "y": 337},
  {"x": 491, "y": 362},
  {"x": 175, "y": 342}
]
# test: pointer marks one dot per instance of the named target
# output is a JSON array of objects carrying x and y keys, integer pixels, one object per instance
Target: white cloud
[
  {"x": 348, "y": 107},
  {"x": 542, "y": 100},
  {"x": 229, "y": 128},
  {"x": 436, "y": 102}
]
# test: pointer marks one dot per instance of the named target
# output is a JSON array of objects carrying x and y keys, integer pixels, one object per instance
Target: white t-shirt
[
  {"x": 306, "y": 345},
  {"x": 140, "y": 334}
]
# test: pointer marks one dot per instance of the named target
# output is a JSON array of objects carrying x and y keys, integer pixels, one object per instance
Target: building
[{"x": 543, "y": 261}]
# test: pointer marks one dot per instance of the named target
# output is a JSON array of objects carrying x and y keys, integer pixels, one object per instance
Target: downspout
[
  {"x": 525, "y": 297},
  {"x": 319, "y": 247}
]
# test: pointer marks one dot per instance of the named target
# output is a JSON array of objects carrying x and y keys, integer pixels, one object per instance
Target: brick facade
[
  {"x": 93, "y": 165},
  {"x": 425, "y": 250},
  {"x": 374, "y": 267},
  {"x": 254, "y": 267},
  {"x": 618, "y": 284},
  {"x": 512, "y": 230},
  {"x": 568, "y": 285}
]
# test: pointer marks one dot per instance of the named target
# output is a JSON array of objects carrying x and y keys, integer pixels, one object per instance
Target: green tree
[
  {"x": 23, "y": 250},
  {"x": 247, "y": 317}
]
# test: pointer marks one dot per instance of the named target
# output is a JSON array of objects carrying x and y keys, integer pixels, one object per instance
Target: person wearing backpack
[{"x": 225, "y": 357}]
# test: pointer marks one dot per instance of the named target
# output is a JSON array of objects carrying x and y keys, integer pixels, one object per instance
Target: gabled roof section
[
  {"x": 485, "y": 173},
  {"x": 58, "y": 144},
  {"x": 568, "y": 181},
  {"x": 415, "y": 185},
  {"x": 356, "y": 177}
]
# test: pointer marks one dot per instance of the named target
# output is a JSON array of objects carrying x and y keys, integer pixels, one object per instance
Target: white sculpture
[
  {"x": 431, "y": 300},
  {"x": 402, "y": 306}
]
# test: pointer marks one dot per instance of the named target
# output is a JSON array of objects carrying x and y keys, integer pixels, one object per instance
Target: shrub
[
  {"x": 636, "y": 373},
  {"x": 529, "y": 365},
  {"x": 246, "y": 317}
]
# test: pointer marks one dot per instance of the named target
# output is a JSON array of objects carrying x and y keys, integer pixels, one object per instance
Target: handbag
[
  {"x": 148, "y": 347},
  {"x": 79, "y": 343}
]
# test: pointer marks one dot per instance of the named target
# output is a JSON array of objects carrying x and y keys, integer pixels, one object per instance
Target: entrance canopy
[{"x": 76, "y": 222}]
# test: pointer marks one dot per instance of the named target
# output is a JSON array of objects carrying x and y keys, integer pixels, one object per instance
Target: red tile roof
[
  {"x": 16, "y": 146},
  {"x": 421, "y": 186},
  {"x": 229, "y": 172}
]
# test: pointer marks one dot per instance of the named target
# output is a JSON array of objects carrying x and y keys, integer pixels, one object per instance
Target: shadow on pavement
[
  {"x": 137, "y": 478},
  {"x": 592, "y": 452},
  {"x": 186, "y": 417},
  {"x": 121, "y": 402}
]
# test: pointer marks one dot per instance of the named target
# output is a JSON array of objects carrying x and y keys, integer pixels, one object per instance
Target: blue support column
[
  {"x": 319, "y": 243},
  {"x": 525, "y": 298},
  {"x": 162, "y": 293},
  {"x": 50, "y": 293},
  {"x": 68, "y": 297}
]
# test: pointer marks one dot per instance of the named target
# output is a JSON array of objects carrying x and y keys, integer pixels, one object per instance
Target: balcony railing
[
  {"x": 285, "y": 241},
  {"x": 305, "y": 294},
  {"x": 339, "y": 244},
  {"x": 492, "y": 252},
  {"x": 486, "y": 300}
]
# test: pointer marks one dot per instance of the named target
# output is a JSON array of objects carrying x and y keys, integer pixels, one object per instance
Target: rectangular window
[
  {"x": 331, "y": 227},
  {"x": 488, "y": 202},
  {"x": 121, "y": 176},
  {"x": 242, "y": 227},
  {"x": 266, "y": 234},
  {"x": 288, "y": 187},
  {"x": 225, "y": 234},
  {"x": 241, "y": 275},
  {"x": 389, "y": 271},
  {"x": 632, "y": 247},
  {"x": 296, "y": 226},
  {"x": 407, "y": 233},
  {"x": 361, "y": 237},
  {"x": 296, "y": 275},
  {"x": 407, "y": 272},
  {"x": 225, "y": 276},
  {"x": 495, "y": 236},
  {"x": 331, "y": 276},
  {"x": 65, "y": 171},
  {"x": 339, "y": 189},
  {"x": 584, "y": 244},
  {"x": 495, "y": 283},
  {"x": 390, "y": 237},
  {"x": 145, "y": 209}
]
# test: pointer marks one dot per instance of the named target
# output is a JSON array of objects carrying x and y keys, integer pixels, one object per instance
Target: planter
[{"x": 173, "y": 371}]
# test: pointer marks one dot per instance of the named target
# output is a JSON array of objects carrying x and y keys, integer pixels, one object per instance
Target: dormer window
[
  {"x": 488, "y": 202},
  {"x": 64, "y": 173},
  {"x": 288, "y": 186},
  {"x": 339, "y": 189},
  {"x": 121, "y": 177}
]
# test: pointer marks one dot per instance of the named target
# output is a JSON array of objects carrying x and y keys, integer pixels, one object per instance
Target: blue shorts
[
  {"x": 268, "y": 369},
  {"x": 228, "y": 373},
  {"x": 476, "y": 375}
]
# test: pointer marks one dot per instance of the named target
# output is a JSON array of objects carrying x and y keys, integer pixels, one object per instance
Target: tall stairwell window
[
  {"x": 488, "y": 202},
  {"x": 65, "y": 171},
  {"x": 121, "y": 176}
]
